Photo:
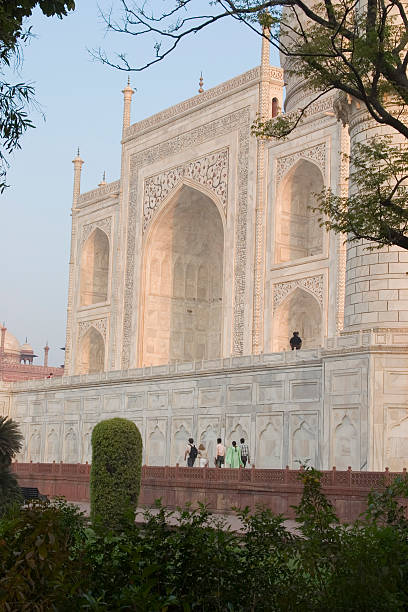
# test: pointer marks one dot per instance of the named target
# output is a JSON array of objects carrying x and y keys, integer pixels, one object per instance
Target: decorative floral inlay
[
  {"x": 317, "y": 154},
  {"x": 313, "y": 284},
  {"x": 211, "y": 171}
]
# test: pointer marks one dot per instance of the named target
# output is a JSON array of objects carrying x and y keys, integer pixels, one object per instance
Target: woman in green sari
[{"x": 233, "y": 458}]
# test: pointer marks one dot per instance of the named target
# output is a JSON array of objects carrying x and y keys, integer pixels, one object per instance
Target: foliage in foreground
[
  {"x": 52, "y": 559},
  {"x": 116, "y": 471},
  {"x": 10, "y": 444}
]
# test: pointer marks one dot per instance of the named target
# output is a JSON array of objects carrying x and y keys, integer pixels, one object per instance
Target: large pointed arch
[
  {"x": 298, "y": 233},
  {"x": 182, "y": 309},
  {"x": 91, "y": 358},
  {"x": 94, "y": 275},
  {"x": 301, "y": 312}
]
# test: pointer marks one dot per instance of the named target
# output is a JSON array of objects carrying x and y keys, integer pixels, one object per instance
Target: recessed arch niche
[
  {"x": 182, "y": 314},
  {"x": 298, "y": 232},
  {"x": 301, "y": 312},
  {"x": 94, "y": 269},
  {"x": 91, "y": 353}
]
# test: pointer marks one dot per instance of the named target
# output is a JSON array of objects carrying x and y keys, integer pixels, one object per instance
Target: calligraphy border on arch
[
  {"x": 312, "y": 284},
  {"x": 238, "y": 120}
]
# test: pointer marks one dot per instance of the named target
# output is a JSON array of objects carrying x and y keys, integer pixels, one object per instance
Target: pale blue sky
[{"x": 82, "y": 102}]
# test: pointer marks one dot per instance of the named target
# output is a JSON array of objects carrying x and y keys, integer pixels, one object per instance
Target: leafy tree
[
  {"x": 358, "y": 49},
  {"x": 10, "y": 444},
  {"x": 17, "y": 98}
]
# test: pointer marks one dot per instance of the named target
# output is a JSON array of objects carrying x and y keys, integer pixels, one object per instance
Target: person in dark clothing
[
  {"x": 191, "y": 453},
  {"x": 295, "y": 341}
]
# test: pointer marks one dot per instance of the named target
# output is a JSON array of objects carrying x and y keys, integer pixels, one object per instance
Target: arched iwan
[
  {"x": 301, "y": 312},
  {"x": 94, "y": 269},
  {"x": 298, "y": 233},
  {"x": 182, "y": 312},
  {"x": 91, "y": 358}
]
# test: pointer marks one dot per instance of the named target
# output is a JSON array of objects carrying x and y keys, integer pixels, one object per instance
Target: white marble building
[{"x": 189, "y": 274}]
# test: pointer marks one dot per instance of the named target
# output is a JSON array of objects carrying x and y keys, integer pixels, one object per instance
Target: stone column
[
  {"x": 77, "y": 161},
  {"x": 376, "y": 290},
  {"x": 3, "y": 339}
]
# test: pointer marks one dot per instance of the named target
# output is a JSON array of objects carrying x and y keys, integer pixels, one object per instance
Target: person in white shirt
[
  {"x": 202, "y": 456},
  {"x": 220, "y": 454}
]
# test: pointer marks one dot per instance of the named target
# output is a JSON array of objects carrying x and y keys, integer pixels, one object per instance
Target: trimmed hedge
[{"x": 115, "y": 472}]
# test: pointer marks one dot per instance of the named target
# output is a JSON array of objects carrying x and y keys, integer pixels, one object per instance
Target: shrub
[
  {"x": 115, "y": 472},
  {"x": 36, "y": 545}
]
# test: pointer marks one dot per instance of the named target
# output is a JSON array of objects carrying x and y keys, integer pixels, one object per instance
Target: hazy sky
[{"x": 82, "y": 103}]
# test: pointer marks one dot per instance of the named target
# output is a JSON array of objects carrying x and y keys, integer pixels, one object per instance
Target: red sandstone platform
[{"x": 221, "y": 489}]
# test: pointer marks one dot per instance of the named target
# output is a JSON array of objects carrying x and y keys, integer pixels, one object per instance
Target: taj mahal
[{"x": 189, "y": 274}]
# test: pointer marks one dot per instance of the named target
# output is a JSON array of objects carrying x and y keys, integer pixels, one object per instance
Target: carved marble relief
[
  {"x": 210, "y": 171},
  {"x": 303, "y": 439},
  {"x": 346, "y": 439},
  {"x": 312, "y": 284},
  {"x": 34, "y": 445},
  {"x": 181, "y": 432},
  {"x": 156, "y": 442},
  {"x": 269, "y": 433},
  {"x": 70, "y": 453},
  {"x": 53, "y": 451},
  {"x": 396, "y": 446},
  {"x": 237, "y": 427},
  {"x": 237, "y": 121}
]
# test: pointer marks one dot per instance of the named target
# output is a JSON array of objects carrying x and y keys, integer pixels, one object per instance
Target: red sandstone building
[{"x": 16, "y": 361}]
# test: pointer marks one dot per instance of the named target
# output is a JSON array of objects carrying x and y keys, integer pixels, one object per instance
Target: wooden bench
[{"x": 32, "y": 493}]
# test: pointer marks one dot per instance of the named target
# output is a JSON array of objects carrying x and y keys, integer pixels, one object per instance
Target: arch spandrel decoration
[
  {"x": 210, "y": 171},
  {"x": 312, "y": 284},
  {"x": 316, "y": 154},
  {"x": 99, "y": 324}
]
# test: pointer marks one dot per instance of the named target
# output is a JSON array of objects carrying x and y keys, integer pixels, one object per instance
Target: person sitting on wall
[{"x": 295, "y": 341}]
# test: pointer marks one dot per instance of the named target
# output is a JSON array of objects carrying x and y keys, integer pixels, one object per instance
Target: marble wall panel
[
  {"x": 237, "y": 426},
  {"x": 52, "y": 442},
  {"x": 345, "y": 442},
  {"x": 156, "y": 435},
  {"x": 92, "y": 404},
  {"x": 210, "y": 397},
  {"x": 396, "y": 437},
  {"x": 304, "y": 390},
  {"x": 209, "y": 429},
  {"x": 269, "y": 440},
  {"x": 303, "y": 438},
  {"x": 72, "y": 406},
  {"x": 55, "y": 407},
  {"x": 181, "y": 431},
  {"x": 135, "y": 401},
  {"x": 183, "y": 398},
  {"x": 158, "y": 400},
  {"x": 239, "y": 395},
  {"x": 396, "y": 382},
  {"x": 112, "y": 404},
  {"x": 71, "y": 444},
  {"x": 271, "y": 393}
]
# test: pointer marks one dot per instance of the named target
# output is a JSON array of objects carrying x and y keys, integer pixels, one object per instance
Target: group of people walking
[{"x": 234, "y": 457}]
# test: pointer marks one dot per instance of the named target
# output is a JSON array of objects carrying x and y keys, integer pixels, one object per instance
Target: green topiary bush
[{"x": 115, "y": 472}]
